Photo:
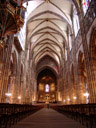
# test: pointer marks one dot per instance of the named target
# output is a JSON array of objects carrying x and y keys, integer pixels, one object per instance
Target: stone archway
[
  {"x": 46, "y": 86},
  {"x": 11, "y": 86},
  {"x": 82, "y": 77}
]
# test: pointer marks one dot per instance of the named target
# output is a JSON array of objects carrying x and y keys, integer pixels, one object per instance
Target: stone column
[{"x": 81, "y": 90}]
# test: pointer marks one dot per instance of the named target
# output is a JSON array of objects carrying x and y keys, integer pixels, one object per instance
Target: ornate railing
[{"x": 11, "y": 17}]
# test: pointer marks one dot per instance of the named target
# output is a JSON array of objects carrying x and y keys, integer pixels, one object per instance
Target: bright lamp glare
[
  {"x": 86, "y": 94},
  {"x": 68, "y": 99},
  {"x": 74, "y": 97},
  {"x": 19, "y": 97},
  {"x": 8, "y": 94}
]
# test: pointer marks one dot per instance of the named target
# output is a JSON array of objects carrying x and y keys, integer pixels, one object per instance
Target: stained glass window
[
  {"x": 75, "y": 21},
  {"x": 46, "y": 88},
  {"x": 85, "y": 4}
]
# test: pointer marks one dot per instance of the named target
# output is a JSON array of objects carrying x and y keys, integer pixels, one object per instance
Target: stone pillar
[
  {"x": 73, "y": 94},
  {"x": 13, "y": 89},
  {"x": 0, "y": 79},
  {"x": 11, "y": 84},
  {"x": 81, "y": 90}
]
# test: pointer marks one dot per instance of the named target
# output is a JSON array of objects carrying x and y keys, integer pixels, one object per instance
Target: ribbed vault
[{"x": 48, "y": 26}]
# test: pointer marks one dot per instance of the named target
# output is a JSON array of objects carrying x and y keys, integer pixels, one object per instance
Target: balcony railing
[{"x": 11, "y": 11}]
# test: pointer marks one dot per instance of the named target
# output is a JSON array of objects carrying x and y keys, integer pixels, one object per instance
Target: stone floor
[{"x": 47, "y": 118}]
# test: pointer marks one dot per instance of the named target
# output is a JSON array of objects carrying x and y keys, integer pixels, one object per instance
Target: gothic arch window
[
  {"x": 70, "y": 40},
  {"x": 82, "y": 77},
  {"x": 65, "y": 54},
  {"x": 85, "y": 5},
  {"x": 81, "y": 65},
  {"x": 75, "y": 21},
  {"x": 47, "y": 88}
]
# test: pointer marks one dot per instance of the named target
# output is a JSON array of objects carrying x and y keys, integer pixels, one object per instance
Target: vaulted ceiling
[{"x": 47, "y": 29}]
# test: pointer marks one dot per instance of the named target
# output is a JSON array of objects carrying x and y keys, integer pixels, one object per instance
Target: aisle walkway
[{"x": 47, "y": 118}]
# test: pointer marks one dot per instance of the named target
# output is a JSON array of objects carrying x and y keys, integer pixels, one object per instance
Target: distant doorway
[{"x": 46, "y": 86}]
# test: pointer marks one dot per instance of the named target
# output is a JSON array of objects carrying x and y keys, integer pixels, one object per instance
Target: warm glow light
[
  {"x": 41, "y": 87},
  {"x": 19, "y": 97},
  {"x": 64, "y": 100},
  {"x": 86, "y": 94},
  {"x": 74, "y": 97},
  {"x": 8, "y": 94},
  {"x": 68, "y": 99},
  {"x": 46, "y": 88}
]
